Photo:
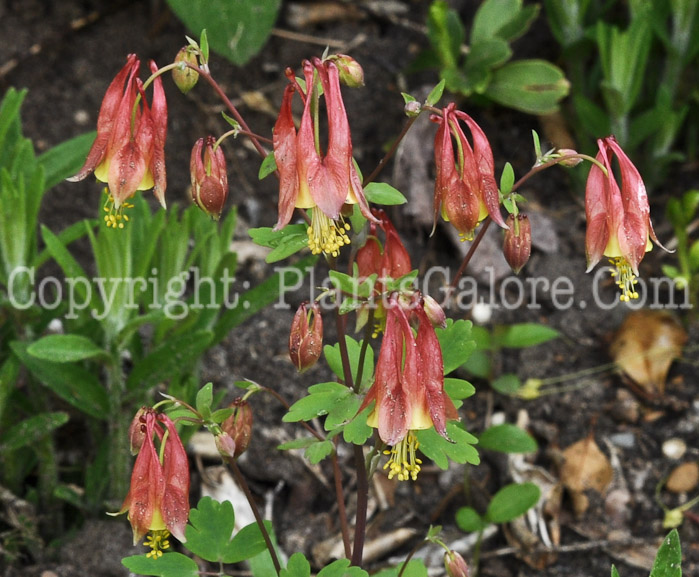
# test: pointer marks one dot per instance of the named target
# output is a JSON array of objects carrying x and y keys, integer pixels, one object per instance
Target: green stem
[{"x": 119, "y": 455}]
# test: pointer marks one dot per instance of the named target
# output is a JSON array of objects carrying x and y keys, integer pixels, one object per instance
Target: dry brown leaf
[
  {"x": 585, "y": 467},
  {"x": 684, "y": 478},
  {"x": 645, "y": 346}
]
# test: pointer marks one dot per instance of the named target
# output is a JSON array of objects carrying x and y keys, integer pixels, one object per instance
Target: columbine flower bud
[
  {"x": 351, "y": 72},
  {"x": 237, "y": 430},
  {"x": 434, "y": 312},
  {"x": 518, "y": 242},
  {"x": 306, "y": 337},
  {"x": 412, "y": 108},
  {"x": 137, "y": 431},
  {"x": 569, "y": 162},
  {"x": 209, "y": 177},
  {"x": 183, "y": 76},
  {"x": 455, "y": 565}
]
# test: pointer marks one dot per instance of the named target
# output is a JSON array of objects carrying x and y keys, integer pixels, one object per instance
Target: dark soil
[{"x": 66, "y": 68}]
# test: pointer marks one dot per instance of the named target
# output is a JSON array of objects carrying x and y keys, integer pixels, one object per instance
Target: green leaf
[
  {"x": 382, "y": 193},
  {"x": 68, "y": 264},
  {"x": 341, "y": 568},
  {"x": 458, "y": 388},
  {"x": 169, "y": 565},
  {"x": 457, "y": 344},
  {"x": 65, "y": 159},
  {"x": 512, "y": 501},
  {"x": 351, "y": 285},
  {"x": 75, "y": 385},
  {"x": 285, "y": 242},
  {"x": 615, "y": 573},
  {"x": 532, "y": 86},
  {"x": 236, "y": 30},
  {"x": 29, "y": 431},
  {"x": 298, "y": 566},
  {"x": 205, "y": 396},
  {"x": 507, "y": 384},
  {"x": 445, "y": 33},
  {"x": 210, "y": 529},
  {"x": 268, "y": 166},
  {"x": 507, "y": 179},
  {"x": 523, "y": 335},
  {"x": 668, "y": 560},
  {"x": 247, "y": 543},
  {"x": 435, "y": 94},
  {"x": 507, "y": 438},
  {"x": 357, "y": 432},
  {"x": 173, "y": 357},
  {"x": 320, "y": 401},
  {"x": 469, "y": 521},
  {"x": 316, "y": 452},
  {"x": 334, "y": 360},
  {"x": 459, "y": 450},
  {"x": 65, "y": 349},
  {"x": 302, "y": 443}
]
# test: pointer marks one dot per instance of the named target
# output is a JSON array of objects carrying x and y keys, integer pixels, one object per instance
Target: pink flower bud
[
  {"x": 455, "y": 565},
  {"x": 184, "y": 77},
  {"x": 306, "y": 336},
  {"x": 569, "y": 162},
  {"x": 518, "y": 242},
  {"x": 434, "y": 312},
  {"x": 237, "y": 430},
  {"x": 209, "y": 177},
  {"x": 351, "y": 72}
]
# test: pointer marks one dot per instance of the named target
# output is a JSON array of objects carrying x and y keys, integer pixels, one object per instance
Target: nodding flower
[
  {"x": 129, "y": 150},
  {"x": 207, "y": 168},
  {"x": 158, "y": 498},
  {"x": 408, "y": 386},
  {"x": 465, "y": 189},
  {"x": 618, "y": 218},
  {"x": 308, "y": 179}
]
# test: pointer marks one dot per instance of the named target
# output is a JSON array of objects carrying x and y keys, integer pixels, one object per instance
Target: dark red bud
[
  {"x": 237, "y": 430},
  {"x": 209, "y": 177},
  {"x": 306, "y": 336},
  {"x": 518, "y": 242}
]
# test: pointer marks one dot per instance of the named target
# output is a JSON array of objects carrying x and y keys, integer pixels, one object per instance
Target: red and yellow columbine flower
[
  {"x": 408, "y": 386},
  {"x": 129, "y": 151},
  {"x": 308, "y": 179},
  {"x": 391, "y": 261},
  {"x": 209, "y": 177},
  {"x": 158, "y": 499},
  {"x": 465, "y": 189},
  {"x": 618, "y": 219}
]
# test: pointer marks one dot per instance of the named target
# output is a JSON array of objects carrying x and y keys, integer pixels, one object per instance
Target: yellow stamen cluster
[
  {"x": 157, "y": 541},
  {"x": 115, "y": 218},
  {"x": 464, "y": 236},
  {"x": 403, "y": 463},
  {"x": 326, "y": 235},
  {"x": 624, "y": 277}
]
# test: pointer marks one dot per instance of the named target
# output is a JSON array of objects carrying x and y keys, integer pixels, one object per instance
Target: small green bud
[{"x": 184, "y": 77}]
